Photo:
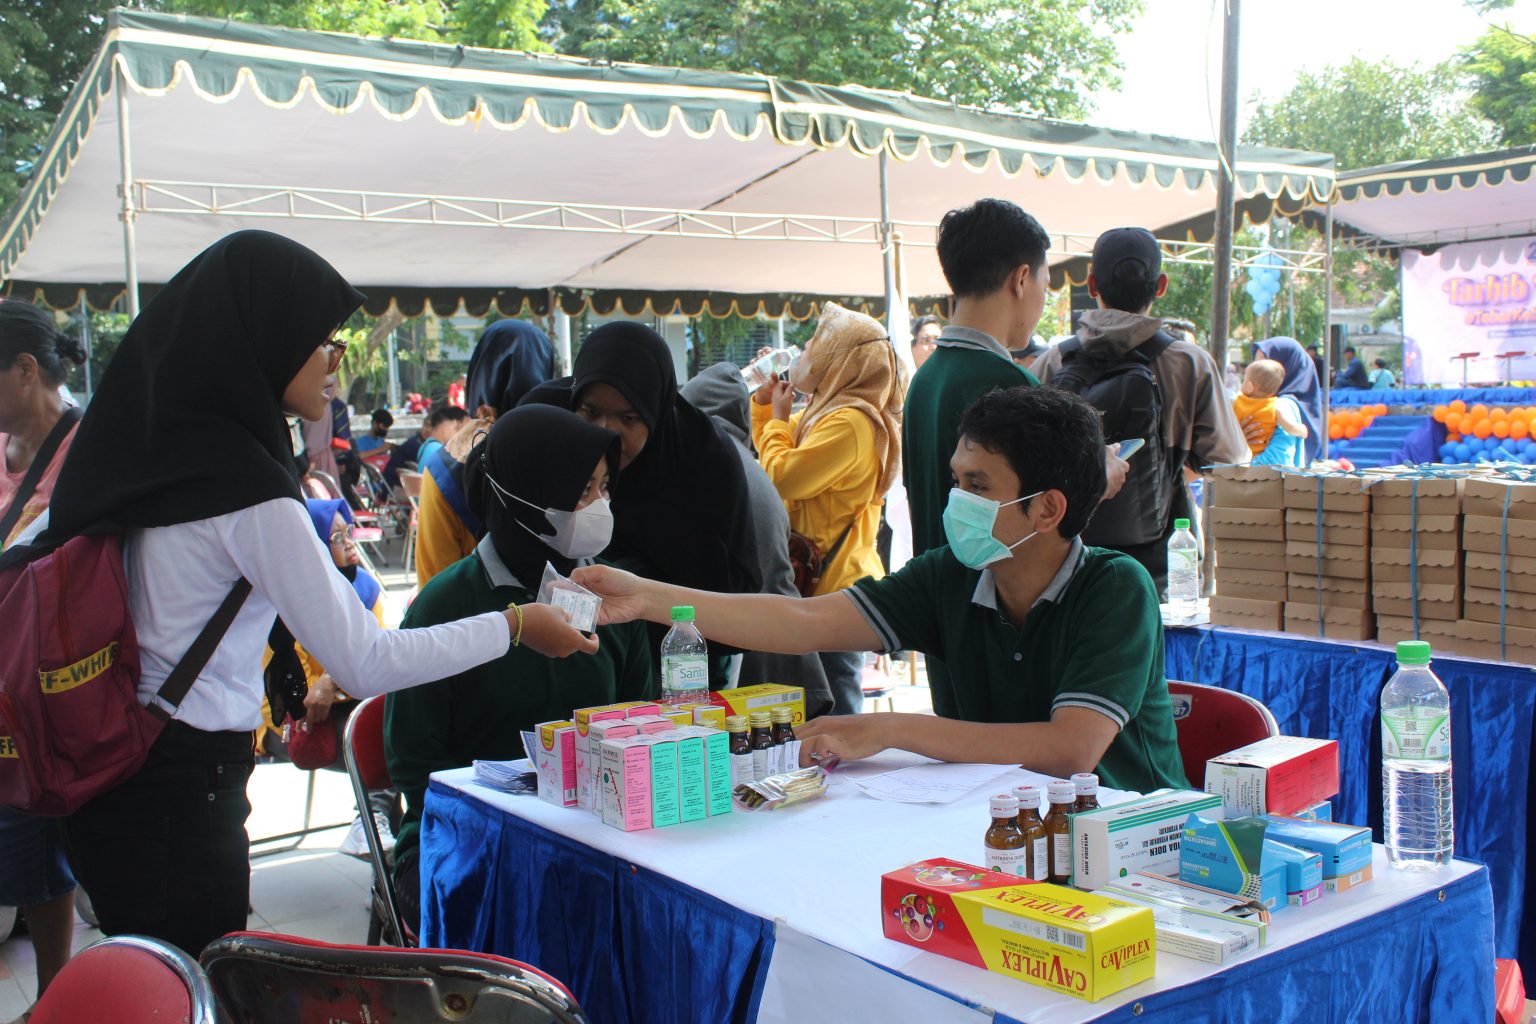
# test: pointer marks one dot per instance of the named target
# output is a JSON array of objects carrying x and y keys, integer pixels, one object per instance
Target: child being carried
[{"x": 1261, "y": 403}]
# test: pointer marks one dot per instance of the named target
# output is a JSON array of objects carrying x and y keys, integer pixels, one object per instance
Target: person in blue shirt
[
  {"x": 1352, "y": 377},
  {"x": 378, "y": 433}
]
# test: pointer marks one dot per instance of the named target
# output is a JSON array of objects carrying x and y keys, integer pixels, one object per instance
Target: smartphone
[{"x": 1131, "y": 447}]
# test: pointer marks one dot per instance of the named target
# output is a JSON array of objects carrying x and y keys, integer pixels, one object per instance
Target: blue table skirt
[
  {"x": 1324, "y": 689},
  {"x": 1351, "y": 397},
  {"x": 609, "y": 930}
]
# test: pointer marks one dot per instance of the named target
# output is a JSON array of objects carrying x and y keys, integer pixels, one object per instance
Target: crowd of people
[{"x": 1033, "y": 590}]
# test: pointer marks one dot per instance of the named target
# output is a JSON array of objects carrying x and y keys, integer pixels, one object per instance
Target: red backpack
[{"x": 71, "y": 725}]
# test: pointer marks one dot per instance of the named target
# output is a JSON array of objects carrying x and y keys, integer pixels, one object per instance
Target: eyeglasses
[
  {"x": 342, "y": 535},
  {"x": 338, "y": 347}
]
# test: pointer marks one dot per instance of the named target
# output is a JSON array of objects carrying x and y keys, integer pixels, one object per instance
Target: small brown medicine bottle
[
  {"x": 1038, "y": 866},
  {"x": 1059, "y": 830},
  {"x": 741, "y": 750},
  {"x": 761, "y": 741},
  {"x": 1004, "y": 841},
  {"x": 783, "y": 725},
  {"x": 1085, "y": 786}
]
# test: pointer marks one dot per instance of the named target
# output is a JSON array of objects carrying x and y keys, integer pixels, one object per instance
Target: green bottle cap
[
  {"x": 1181, "y": 524},
  {"x": 682, "y": 613},
  {"x": 1413, "y": 652}
]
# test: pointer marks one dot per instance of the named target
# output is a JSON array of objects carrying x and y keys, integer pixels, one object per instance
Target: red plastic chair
[
  {"x": 1212, "y": 721},
  {"x": 363, "y": 752},
  {"x": 128, "y": 980},
  {"x": 260, "y": 978}
]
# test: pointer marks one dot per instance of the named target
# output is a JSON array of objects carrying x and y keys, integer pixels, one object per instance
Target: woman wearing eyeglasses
[{"x": 185, "y": 451}]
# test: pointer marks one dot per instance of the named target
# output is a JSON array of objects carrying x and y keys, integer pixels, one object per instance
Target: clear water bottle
[
  {"x": 1418, "y": 820},
  {"x": 768, "y": 367},
  {"x": 684, "y": 661},
  {"x": 1183, "y": 571}
]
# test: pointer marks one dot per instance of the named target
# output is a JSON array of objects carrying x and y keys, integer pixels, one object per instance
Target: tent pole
[
  {"x": 887, "y": 245},
  {"x": 394, "y": 370},
  {"x": 1327, "y": 325},
  {"x": 125, "y": 189},
  {"x": 1221, "y": 289},
  {"x": 563, "y": 338},
  {"x": 85, "y": 339}
]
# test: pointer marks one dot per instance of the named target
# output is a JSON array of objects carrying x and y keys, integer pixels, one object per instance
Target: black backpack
[{"x": 1125, "y": 390}]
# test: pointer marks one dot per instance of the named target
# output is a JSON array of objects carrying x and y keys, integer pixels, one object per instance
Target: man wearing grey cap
[{"x": 1150, "y": 385}]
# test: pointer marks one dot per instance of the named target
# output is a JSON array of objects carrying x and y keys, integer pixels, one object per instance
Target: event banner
[{"x": 1474, "y": 299}]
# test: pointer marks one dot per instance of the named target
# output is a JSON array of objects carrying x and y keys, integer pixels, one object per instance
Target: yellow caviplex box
[
  {"x": 764, "y": 697},
  {"x": 1061, "y": 939}
]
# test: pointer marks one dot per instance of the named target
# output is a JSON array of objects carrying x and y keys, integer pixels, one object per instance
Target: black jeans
[
  {"x": 845, "y": 676},
  {"x": 165, "y": 854}
]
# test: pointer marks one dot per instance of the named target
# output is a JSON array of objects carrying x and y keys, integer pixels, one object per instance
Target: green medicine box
[
  {"x": 692, "y": 780},
  {"x": 663, "y": 782}
]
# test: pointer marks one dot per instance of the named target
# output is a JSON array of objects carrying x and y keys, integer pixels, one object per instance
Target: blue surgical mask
[{"x": 968, "y": 522}]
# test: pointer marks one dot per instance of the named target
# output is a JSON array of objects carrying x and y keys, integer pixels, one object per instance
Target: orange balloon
[
  {"x": 1452, "y": 420},
  {"x": 1519, "y": 429},
  {"x": 1440, "y": 413},
  {"x": 1483, "y": 429},
  {"x": 1453, "y": 438},
  {"x": 1498, "y": 414},
  {"x": 1501, "y": 428},
  {"x": 1335, "y": 431},
  {"x": 1458, "y": 406},
  {"x": 1479, "y": 411},
  {"x": 1351, "y": 432}
]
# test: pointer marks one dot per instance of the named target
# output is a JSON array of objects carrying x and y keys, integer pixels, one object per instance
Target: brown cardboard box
[
  {"x": 1249, "y": 554},
  {"x": 1392, "y": 531},
  {"x": 1247, "y": 487},
  {"x": 1246, "y": 614},
  {"x": 1395, "y": 495},
  {"x": 1444, "y": 636},
  {"x": 1260, "y": 524},
  {"x": 1352, "y": 528},
  {"x": 1519, "y": 572},
  {"x": 1483, "y": 606},
  {"x": 1485, "y": 497},
  {"x": 1487, "y": 534},
  {"x": 1434, "y": 566},
  {"x": 1251, "y": 584},
  {"x": 1336, "y": 592},
  {"x": 1337, "y": 623},
  {"x": 1339, "y": 493},
  {"x": 1465, "y": 637},
  {"x": 1348, "y": 561},
  {"x": 1436, "y": 600}
]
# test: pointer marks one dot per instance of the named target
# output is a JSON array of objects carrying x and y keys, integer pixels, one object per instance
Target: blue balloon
[
  {"x": 1448, "y": 449},
  {"x": 1522, "y": 444},
  {"x": 1463, "y": 451}
]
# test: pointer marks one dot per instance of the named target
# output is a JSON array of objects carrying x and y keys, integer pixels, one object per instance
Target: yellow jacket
[
  {"x": 312, "y": 670},
  {"x": 827, "y": 481},
  {"x": 441, "y": 536}
]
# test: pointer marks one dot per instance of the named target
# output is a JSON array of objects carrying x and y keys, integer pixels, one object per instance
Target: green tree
[
  {"x": 1050, "y": 59},
  {"x": 1367, "y": 113},
  {"x": 1501, "y": 67}
]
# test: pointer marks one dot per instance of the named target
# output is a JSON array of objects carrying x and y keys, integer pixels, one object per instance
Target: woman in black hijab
[
  {"x": 540, "y": 481},
  {"x": 681, "y": 508},
  {"x": 185, "y": 451}
]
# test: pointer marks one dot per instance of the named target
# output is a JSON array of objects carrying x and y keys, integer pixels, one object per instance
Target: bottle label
[
  {"x": 1039, "y": 866},
  {"x": 741, "y": 770},
  {"x": 684, "y": 673},
  {"x": 1009, "y": 862},
  {"x": 762, "y": 764},
  {"x": 1061, "y": 855},
  {"x": 1416, "y": 734}
]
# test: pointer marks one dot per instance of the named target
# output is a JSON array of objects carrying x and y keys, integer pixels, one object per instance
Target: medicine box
[
  {"x": 1058, "y": 938},
  {"x": 555, "y": 763},
  {"x": 717, "y": 767},
  {"x": 1277, "y": 775},
  {"x": 692, "y": 777},
  {"x": 1190, "y": 896},
  {"x": 624, "y": 782},
  {"x": 638, "y": 708},
  {"x": 586, "y": 757},
  {"x": 1137, "y": 835},
  {"x": 650, "y": 723},
  {"x": 597, "y": 732},
  {"x": 765, "y": 697},
  {"x": 664, "y": 780},
  {"x": 917, "y": 905},
  {"x": 1229, "y": 855},
  {"x": 1345, "y": 849},
  {"x": 1202, "y": 935},
  {"x": 714, "y": 717},
  {"x": 1303, "y": 872},
  {"x": 677, "y": 716}
]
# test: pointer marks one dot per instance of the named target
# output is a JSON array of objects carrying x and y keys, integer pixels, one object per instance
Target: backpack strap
[
  {"x": 164, "y": 704},
  {"x": 35, "y": 471}
]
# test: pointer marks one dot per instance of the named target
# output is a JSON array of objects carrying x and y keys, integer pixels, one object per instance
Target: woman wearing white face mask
[{"x": 539, "y": 482}]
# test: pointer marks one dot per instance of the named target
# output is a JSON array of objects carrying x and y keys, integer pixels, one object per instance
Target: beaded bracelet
[{"x": 517, "y": 638}]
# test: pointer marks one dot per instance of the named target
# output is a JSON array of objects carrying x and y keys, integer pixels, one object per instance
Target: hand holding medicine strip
[{"x": 579, "y": 604}]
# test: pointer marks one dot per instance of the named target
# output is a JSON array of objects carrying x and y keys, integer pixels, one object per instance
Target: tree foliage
[
  {"x": 1048, "y": 57},
  {"x": 1501, "y": 68}
]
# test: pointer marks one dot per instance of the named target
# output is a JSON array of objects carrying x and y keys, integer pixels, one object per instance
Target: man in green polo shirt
[{"x": 1054, "y": 649}]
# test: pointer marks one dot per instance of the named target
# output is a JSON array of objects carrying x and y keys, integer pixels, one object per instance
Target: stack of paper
[{"x": 507, "y": 776}]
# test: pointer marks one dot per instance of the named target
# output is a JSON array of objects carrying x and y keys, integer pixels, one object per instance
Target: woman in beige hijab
[{"x": 834, "y": 462}]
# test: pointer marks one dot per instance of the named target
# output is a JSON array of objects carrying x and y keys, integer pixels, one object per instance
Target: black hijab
[
  {"x": 188, "y": 421},
  {"x": 681, "y": 511},
  {"x": 511, "y": 357},
  {"x": 545, "y": 456}
]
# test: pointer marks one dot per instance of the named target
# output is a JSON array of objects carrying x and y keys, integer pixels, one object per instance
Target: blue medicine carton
[
  {"x": 1230, "y": 856},
  {"x": 1345, "y": 849},
  {"x": 1303, "y": 871}
]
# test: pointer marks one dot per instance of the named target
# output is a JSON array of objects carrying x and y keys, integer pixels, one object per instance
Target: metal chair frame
[
  {"x": 1178, "y": 688},
  {"x": 189, "y": 971},
  {"x": 386, "y": 909}
]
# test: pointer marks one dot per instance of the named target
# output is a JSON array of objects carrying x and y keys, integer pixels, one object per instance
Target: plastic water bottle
[
  {"x": 1183, "y": 571},
  {"x": 684, "y": 661},
  {"x": 1418, "y": 820},
  {"x": 768, "y": 367}
]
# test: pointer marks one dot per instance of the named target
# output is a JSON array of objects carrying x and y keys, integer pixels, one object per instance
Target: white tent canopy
[
  {"x": 1426, "y": 203},
  {"x": 430, "y": 171}
]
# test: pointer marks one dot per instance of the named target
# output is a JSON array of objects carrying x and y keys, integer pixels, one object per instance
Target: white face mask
[{"x": 583, "y": 533}]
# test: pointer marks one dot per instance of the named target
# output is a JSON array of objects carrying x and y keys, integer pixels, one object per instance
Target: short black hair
[
  {"x": 981, "y": 244},
  {"x": 1053, "y": 440},
  {"x": 924, "y": 321},
  {"x": 25, "y": 329},
  {"x": 382, "y": 415},
  {"x": 1349, "y": 350},
  {"x": 445, "y": 413},
  {"x": 1381, "y": 363}
]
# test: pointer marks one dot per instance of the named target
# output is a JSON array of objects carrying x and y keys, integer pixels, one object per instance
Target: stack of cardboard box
[
  {"x": 1499, "y": 545},
  {"x": 1247, "y": 521},
  {"x": 1328, "y": 557},
  {"x": 1416, "y": 557}
]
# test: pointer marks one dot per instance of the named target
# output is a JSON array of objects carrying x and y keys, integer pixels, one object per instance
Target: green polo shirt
[{"x": 1094, "y": 640}]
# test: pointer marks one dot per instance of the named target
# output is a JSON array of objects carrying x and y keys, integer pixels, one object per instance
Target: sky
[{"x": 1166, "y": 89}]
